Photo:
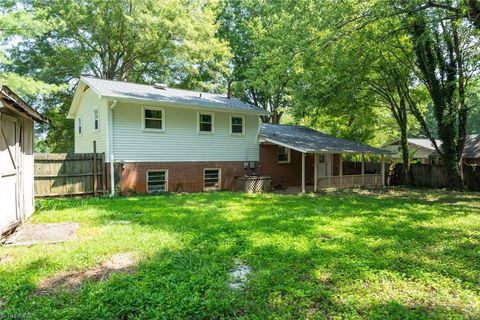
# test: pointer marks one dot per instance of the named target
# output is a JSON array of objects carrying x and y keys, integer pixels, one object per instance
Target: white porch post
[
  {"x": 303, "y": 172},
  {"x": 383, "y": 170},
  {"x": 341, "y": 170},
  {"x": 363, "y": 169},
  {"x": 315, "y": 172}
]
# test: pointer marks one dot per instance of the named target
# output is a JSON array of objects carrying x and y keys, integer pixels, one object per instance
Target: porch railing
[{"x": 350, "y": 181}]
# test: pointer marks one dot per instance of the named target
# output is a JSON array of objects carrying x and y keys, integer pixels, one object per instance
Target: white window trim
[
  {"x": 219, "y": 179},
  {"x": 98, "y": 114},
  {"x": 166, "y": 179},
  {"x": 163, "y": 119},
  {"x": 243, "y": 125},
  {"x": 288, "y": 155},
  {"x": 80, "y": 125},
  {"x": 198, "y": 122}
]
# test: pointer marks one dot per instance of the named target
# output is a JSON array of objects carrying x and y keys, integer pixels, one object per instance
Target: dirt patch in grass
[{"x": 70, "y": 280}]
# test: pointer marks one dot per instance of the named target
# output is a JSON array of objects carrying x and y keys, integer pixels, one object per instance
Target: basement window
[
  {"x": 153, "y": 119},
  {"x": 211, "y": 179},
  {"x": 157, "y": 181},
  {"x": 283, "y": 155}
]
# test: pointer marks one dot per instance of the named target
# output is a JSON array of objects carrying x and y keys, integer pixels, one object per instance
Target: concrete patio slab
[{"x": 30, "y": 234}]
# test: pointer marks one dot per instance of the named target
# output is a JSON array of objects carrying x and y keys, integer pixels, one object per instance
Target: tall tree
[
  {"x": 145, "y": 41},
  {"x": 262, "y": 64},
  {"x": 445, "y": 66},
  {"x": 13, "y": 25}
]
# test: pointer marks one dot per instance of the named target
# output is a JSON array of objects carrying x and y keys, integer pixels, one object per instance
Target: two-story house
[{"x": 164, "y": 139}]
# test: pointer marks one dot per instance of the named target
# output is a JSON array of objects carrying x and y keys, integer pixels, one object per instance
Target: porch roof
[{"x": 307, "y": 140}]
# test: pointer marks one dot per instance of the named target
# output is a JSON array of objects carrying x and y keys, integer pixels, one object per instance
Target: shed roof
[
  {"x": 119, "y": 90},
  {"x": 307, "y": 140},
  {"x": 9, "y": 98}
]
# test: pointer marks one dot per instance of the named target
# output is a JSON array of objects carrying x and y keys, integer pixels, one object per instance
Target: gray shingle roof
[
  {"x": 472, "y": 147},
  {"x": 470, "y": 151},
  {"x": 309, "y": 140},
  {"x": 134, "y": 91},
  {"x": 424, "y": 143}
]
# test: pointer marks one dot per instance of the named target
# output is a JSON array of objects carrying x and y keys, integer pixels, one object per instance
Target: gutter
[{"x": 110, "y": 141}]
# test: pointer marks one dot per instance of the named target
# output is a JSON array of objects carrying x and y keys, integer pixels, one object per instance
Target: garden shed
[{"x": 16, "y": 159}]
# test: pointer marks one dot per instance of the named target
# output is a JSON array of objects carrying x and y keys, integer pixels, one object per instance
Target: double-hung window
[
  {"x": 237, "y": 125},
  {"x": 153, "y": 119},
  {"x": 205, "y": 122},
  {"x": 96, "y": 122},
  {"x": 283, "y": 155},
  {"x": 80, "y": 128},
  {"x": 157, "y": 181},
  {"x": 211, "y": 179}
]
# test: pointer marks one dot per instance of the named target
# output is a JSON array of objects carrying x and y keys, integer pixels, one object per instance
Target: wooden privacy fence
[
  {"x": 435, "y": 176},
  {"x": 69, "y": 174}
]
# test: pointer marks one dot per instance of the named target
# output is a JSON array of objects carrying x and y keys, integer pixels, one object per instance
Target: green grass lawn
[{"x": 393, "y": 255}]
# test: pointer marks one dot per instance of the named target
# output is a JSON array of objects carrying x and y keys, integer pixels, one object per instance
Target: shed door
[{"x": 9, "y": 148}]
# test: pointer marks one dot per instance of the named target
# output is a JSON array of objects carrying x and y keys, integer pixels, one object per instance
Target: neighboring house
[
  {"x": 16, "y": 159},
  {"x": 423, "y": 150},
  {"x": 164, "y": 139},
  {"x": 471, "y": 152},
  {"x": 420, "y": 149}
]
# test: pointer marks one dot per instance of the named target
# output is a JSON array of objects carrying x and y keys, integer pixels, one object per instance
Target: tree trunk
[
  {"x": 406, "y": 178},
  {"x": 443, "y": 77},
  {"x": 453, "y": 166}
]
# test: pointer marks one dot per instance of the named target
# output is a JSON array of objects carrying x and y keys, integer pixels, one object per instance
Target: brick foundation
[
  {"x": 182, "y": 176},
  {"x": 188, "y": 176}
]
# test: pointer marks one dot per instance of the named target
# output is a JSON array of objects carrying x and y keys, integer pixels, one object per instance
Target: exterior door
[
  {"x": 324, "y": 168},
  {"x": 9, "y": 155}
]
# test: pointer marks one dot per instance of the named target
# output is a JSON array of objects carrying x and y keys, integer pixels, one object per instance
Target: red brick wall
[
  {"x": 182, "y": 176},
  {"x": 285, "y": 174},
  {"x": 188, "y": 176}
]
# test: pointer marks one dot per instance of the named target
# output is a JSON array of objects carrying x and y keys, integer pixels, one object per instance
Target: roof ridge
[{"x": 150, "y": 85}]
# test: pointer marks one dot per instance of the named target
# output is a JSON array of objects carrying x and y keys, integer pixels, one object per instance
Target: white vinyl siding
[
  {"x": 84, "y": 141},
  {"x": 181, "y": 141}
]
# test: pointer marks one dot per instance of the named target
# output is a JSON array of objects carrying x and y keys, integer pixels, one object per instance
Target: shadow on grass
[{"x": 305, "y": 253}]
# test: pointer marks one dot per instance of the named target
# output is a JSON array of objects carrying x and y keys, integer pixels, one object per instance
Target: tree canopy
[{"x": 372, "y": 71}]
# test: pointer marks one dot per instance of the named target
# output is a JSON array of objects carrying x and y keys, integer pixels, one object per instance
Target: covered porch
[{"x": 322, "y": 158}]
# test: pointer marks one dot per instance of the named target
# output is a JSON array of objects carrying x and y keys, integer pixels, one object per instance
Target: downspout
[{"x": 112, "y": 158}]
